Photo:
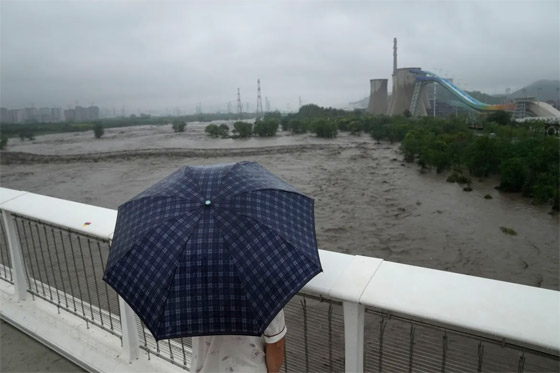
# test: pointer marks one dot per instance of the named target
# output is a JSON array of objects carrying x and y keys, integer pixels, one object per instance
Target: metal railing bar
[
  {"x": 77, "y": 314},
  {"x": 170, "y": 350},
  {"x": 471, "y": 335},
  {"x": 43, "y": 261},
  {"x": 6, "y": 252},
  {"x": 330, "y": 339},
  {"x": 67, "y": 268},
  {"x": 319, "y": 298},
  {"x": 6, "y": 279},
  {"x": 85, "y": 273},
  {"x": 104, "y": 283},
  {"x": 305, "y": 340},
  {"x": 184, "y": 354},
  {"x": 145, "y": 340},
  {"x": 30, "y": 257},
  {"x": 59, "y": 265},
  {"x": 76, "y": 271},
  {"x": 50, "y": 260},
  {"x": 433, "y": 360},
  {"x": 396, "y": 350},
  {"x": 400, "y": 349},
  {"x": 60, "y": 227},
  {"x": 400, "y": 356},
  {"x": 95, "y": 278}
]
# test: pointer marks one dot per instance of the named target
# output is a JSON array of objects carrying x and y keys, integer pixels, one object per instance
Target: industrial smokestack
[{"x": 394, "y": 55}]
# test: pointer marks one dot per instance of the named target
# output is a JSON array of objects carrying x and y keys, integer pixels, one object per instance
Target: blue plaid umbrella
[{"x": 213, "y": 250}]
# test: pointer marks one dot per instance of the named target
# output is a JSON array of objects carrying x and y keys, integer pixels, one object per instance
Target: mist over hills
[{"x": 542, "y": 90}]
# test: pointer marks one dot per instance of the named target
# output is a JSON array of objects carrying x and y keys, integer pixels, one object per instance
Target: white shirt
[{"x": 235, "y": 353}]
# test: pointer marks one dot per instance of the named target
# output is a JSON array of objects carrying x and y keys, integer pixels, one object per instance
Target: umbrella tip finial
[{"x": 208, "y": 202}]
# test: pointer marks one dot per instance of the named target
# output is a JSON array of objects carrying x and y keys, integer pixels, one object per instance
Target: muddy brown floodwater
[{"x": 367, "y": 201}]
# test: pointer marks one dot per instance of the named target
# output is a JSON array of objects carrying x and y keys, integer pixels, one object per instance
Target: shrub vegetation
[
  {"x": 243, "y": 129},
  {"x": 178, "y": 125},
  {"x": 521, "y": 154},
  {"x": 266, "y": 127},
  {"x": 324, "y": 128},
  {"x": 214, "y": 130},
  {"x": 98, "y": 130},
  {"x": 3, "y": 140}
]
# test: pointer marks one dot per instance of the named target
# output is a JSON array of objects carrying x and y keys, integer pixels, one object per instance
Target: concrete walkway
[{"x": 21, "y": 353}]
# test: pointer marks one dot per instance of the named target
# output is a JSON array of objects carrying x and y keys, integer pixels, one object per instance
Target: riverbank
[{"x": 367, "y": 201}]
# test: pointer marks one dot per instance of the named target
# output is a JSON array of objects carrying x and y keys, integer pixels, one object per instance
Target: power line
[
  {"x": 259, "y": 100},
  {"x": 239, "y": 106}
]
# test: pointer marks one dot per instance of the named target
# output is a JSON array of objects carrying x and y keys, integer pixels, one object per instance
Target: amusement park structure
[{"x": 410, "y": 92}]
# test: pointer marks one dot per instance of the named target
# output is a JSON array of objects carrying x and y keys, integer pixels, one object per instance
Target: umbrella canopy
[{"x": 213, "y": 250}]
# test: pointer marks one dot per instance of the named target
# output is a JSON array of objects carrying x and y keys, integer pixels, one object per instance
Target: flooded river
[{"x": 367, "y": 201}]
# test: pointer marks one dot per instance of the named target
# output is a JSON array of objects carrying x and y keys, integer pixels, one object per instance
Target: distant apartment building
[
  {"x": 80, "y": 113},
  {"x": 69, "y": 115},
  {"x": 46, "y": 114}
]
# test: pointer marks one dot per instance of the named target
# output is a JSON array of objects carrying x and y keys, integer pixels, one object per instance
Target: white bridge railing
[{"x": 360, "y": 314}]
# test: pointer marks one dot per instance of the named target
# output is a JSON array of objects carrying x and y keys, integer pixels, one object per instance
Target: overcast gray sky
[{"x": 175, "y": 54}]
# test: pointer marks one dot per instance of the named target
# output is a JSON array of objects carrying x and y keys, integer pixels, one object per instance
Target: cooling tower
[
  {"x": 403, "y": 89},
  {"x": 378, "y": 96}
]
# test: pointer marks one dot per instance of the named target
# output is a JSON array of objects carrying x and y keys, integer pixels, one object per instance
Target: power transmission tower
[
  {"x": 259, "y": 100},
  {"x": 239, "y": 107}
]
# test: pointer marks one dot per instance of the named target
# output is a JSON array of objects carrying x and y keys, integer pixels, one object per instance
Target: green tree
[
  {"x": 3, "y": 140},
  {"x": 378, "y": 131},
  {"x": 273, "y": 115},
  {"x": 355, "y": 127},
  {"x": 501, "y": 117},
  {"x": 483, "y": 156},
  {"x": 178, "y": 125},
  {"x": 214, "y": 130},
  {"x": 98, "y": 130},
  {"x": 325, "y": 128},
  {"x": 397, "y": 131},
  {"x": 267, "y": 127},
  {"x": 298, "y": 126},
  {"x": 411, "y": 144},
  {"x": 343, "y": 124},
  {"x": 223, "y": 130},
  {"x": 26, "y": 133},
  {"x": 513, "y": 174},
  {"x": 243, "y": 129}
]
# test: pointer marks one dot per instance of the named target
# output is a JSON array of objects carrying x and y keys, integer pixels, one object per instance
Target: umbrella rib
[
  {"x": 159, "y": 197},
  {"x": 172, "y": 277},
  {"x": 289, "y": 244},
  {"x": 274, "y": 231},
  {"x": 251, "y": 311},
  {"x": 264, "y": 189},
  {"x": 238, "y": 164}
]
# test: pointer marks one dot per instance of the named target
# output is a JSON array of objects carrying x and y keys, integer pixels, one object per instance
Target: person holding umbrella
[
  {"x": 215, "y": 252},
  {"x": 241, "y": 353}
]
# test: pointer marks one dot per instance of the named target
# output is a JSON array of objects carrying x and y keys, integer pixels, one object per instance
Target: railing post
[
  {"x": 354, "y": 336},
  {"x": 18, "y": 267},
  {"x": 130, "y": 337}
]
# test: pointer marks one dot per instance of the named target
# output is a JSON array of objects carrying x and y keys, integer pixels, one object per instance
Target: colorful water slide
[{"x": 426, "y": 76}]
